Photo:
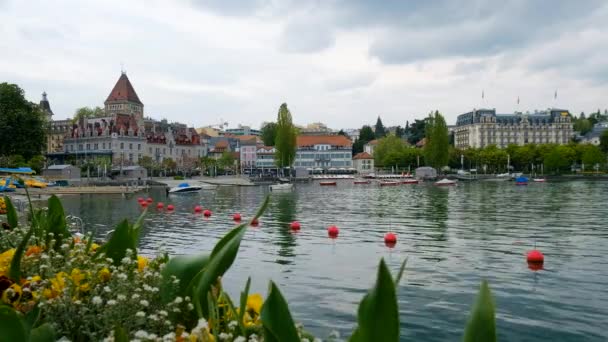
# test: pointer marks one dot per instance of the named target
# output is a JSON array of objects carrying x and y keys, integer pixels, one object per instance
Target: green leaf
[
  {"x": 120, "y": 335},
  {"x": 400, "y": 273},
  {"x": 482, "y": 324},
  {"x": 44, "y": 333},
  {"x": 15, "y": 270},
  {"x": 55, "y": 221},
  {"x": 184, "y": 268},
  {"x": 221, "y": 259},
  {"x": 378, "y": 314},
  {"x": 262, "y": 208},
  {"x": 233, "y": 312},
  {"x": 120, "y": 241},
  {"x": 12, "y": 327},
  {"x": 32, "y": 317},
  {"x": 276, "y": 318},
  {"x": 243, "y": 303},
  {"x": 11, "y": 214}
]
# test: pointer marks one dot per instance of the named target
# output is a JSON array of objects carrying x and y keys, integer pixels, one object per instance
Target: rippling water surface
[{"x": 453, "y": 238}]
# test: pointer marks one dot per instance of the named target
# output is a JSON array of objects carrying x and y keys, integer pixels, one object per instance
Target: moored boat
[
  {"x": 389, "y": 183},
  {"x": 445, "y": 182},
  {"x": 362, "y": 182},
  {"x": 521, "y": 180},
  {"x": 539, "y": 180},
  {"x": 184, "y": 188},
  {"x": 283, "y": 186},
  {"x": 328, "y": 183},
  {"x": 410, "y": 181}
]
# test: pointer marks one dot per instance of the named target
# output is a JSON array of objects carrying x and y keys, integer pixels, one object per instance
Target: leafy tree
[
  {"x": 604, "y": 141},
  {"x": 389, "y": 151},
  {"x": 169, "y": 164},
  {"x": 366, "y": 134},
  {"x": 415, "y": 131},
  {"x": 593, "y": 155},
  {"x": 87, "y": 113},
  {"x": 437, "y": 141},
  {"x": 226, "y": 160},
  {"x": 16, "y": 160},
  {"x": 285, "y": 141},
  {"x": 380, "y": 130},
  {"x": 36, "y": 163},
  {"x": 399, "y": 131},
  {"x": 583, "y": 126},
  {"x": 341, "y": 132},
  {"x": 269, "y": 133},
  {"x": 22, "y": 124}
]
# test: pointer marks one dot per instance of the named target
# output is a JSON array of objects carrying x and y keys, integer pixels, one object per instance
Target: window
[
  {"x": 130, "y": 146},
  {"x": 88, "y": 146},
  {"x": 79, "y": 147},
  {"x": 139, "y": 147},
  {"x": 104, "y": 145},
  {"x": 122, "y": 146},
  {"x": 150, "y": 149},
  {"x": 96, "y": 146},
  {"x": 130, "y": 157}
]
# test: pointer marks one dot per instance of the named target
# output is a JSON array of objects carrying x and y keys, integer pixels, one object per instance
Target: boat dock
[{"x": 77, "y": 190}]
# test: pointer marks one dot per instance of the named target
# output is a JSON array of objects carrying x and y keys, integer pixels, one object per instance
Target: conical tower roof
[{"x": 123, "y": 90}]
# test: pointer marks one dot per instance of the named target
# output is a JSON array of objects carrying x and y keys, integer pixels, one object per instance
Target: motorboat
[
  {"x": 410, "y": 181},
  {"x": 521, "y": 180},
  {"x": 445, "y": 182},
  {"x": 539, "y": 180},
  {"x": 362, "y": 182},
  {"x": 389, "y": 183},
  {"x": 326, "y": 183},
  {"x": 283, "y": 184},
  {"x": 184, "y": 188},
  {"x": 207, "y": 186}
]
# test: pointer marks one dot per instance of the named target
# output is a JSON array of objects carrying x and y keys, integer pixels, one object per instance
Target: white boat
[
  {"x": 539, "y": 180},
  {"x": 207, "y": 186},
  {"x": 445, "y": 182},
  {"x": 279, "y": 187},
  {"x": 184, "y": 188}
]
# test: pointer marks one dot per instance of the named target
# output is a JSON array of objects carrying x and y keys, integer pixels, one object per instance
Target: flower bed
[{"x": 54, "y": 284}]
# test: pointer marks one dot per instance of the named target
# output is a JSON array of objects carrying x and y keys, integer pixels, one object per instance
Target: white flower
[
  {"x": 232, "y": 324},
  {"x": 304, "y": 340},
  {"x": 317, "y": 340},
  {"x": 240, "y": 339},
  {"x": 168, "y": 322},
  {"x": 122, "y": 276},
  {"x": 163, "y": 313},
  {"x": 176, "y": 281},
  {"x": 176, "y": 310},
  {"x": 77, "y": 302},
  {"x": 169, "y": 337},
  {"x": 111, "y": 302},
  {"x": 144, "y": 302},
  {"x": 202, "y": 324},
  {"x": 96, "y": 300},
  {"x": 224, "y": 336},
  {"x": 126, "y": 260},
  {"x": 135, "y": 296},
  {"x": 121, "y": 297},
  {"x": 141, "y": 334},
  {"x": 187, "y": 298},
  {"x": 178, "y": 300},
  {"x": 44, "y": 256},
  {"x": 107, "y": 289},
  {"x": 152, "y": 336},
  {"x": 153, "y": 317},
  {"x": 334, "y": 334},
  {"x": 190, "y": 307},
  {"x": 109, "y": 260},
  {"x": 140, "y": 314}
]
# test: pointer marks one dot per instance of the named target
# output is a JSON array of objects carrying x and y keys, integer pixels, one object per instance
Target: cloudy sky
[{"x": 339, "y": 62}]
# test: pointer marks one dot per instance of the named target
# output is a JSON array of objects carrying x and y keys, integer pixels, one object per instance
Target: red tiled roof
[
  {"x": 363, "y": 155},
  {"x": 221, "y": 144},
  {"x": 373, "y": 142},
  {"x": 123, "y": 90},
  {"x": 333, "y": 140}
]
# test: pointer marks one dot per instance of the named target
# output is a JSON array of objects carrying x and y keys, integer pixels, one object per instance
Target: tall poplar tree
[
  {"x": 437, "y": 141},
  {"x": 285, "y": 140}
]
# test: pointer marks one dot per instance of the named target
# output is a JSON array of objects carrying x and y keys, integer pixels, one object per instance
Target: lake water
[{"x": 453, "y": 238}]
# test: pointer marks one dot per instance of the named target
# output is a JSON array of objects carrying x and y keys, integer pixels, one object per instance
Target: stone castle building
[
  {"x": 57, "y": 129},
  {"x": 483, "y": 127},
  {"x": 124, "y": 136}
]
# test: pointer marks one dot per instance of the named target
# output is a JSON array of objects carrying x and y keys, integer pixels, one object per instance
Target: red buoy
[
  {"x": 207, "y": 212},
  {"x": 236, "y": 217},
  {"x": 170, "y": 207},
  {"x": 535, "y": 256},
  {"x": 139, "y": 199},
  {"x": 390, "y": 238},
  {"x": 149, "y": 200},
  {"x": 295, "y": 225},
  {"x": 198, "y": 209},
  {"x": 159, "y": 205},
  {"x": 255, "y": 222},
  {"x": 333, "y": 231},
  {"x": 144, "y": 204}
]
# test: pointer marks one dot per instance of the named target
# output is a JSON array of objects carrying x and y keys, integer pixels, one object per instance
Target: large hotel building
[{"x": 483, "y": 127}]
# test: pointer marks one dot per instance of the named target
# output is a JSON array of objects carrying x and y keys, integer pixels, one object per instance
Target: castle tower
[
  {"x": 124, "y": 100},
  {"x": 46, "y": 107}
]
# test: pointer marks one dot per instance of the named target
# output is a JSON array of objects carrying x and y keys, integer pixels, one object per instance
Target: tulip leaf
[
  {"x": 120, "y": 335},
  {"x": 262, "y": 209},
  {"x": 44, "y": 333},
  {"x": 221, "y": 259},
  {"x": 276, "y": 318},
  {"x": 12, "y": 327},
  {"x": 122, "y": 239},
  {"x": 15, "y": 269},
  {"x": 55, "y": 221},
  {"x": 244, "y": 296},
  {"x": 378, "y": 314},
  {"x": 184, "y": 268},
  {"x": 11, "y": 214},
  {"x": 482, "y": 323},
  {"x": 400, "y": 273}
]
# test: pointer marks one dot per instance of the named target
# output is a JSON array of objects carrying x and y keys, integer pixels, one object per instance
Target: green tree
[
  {"x": 285, "y": 142},
  {"x": 36, "y": 163},
  {"x": 415, "y": 131},
  {"x": 437, "y": 141},
  {"x": 389, "y": 152},
  {"x": 16, "y": 160},
  {"x": 87, "y": 113},
  {"x": 169, "y": 164},
  {"x": 269, "y": 133},
  {"x": 22, "y": 124},
  {"x": 399, "y": 131},
  {"x": 341, "y": 132},
  {"x": 583, "y": 126},
  {"x": 380, "y": 131},
  {"x": 592, "y": 156},
  {"x": 366, "y": 134},
  {"x": 604, "y": 141},
  {"x": 226, "y": 161}
]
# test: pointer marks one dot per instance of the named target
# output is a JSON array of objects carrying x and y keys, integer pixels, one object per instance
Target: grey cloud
[
  {"x": 231, "y": 7},
  {"x": 350, "y": 83},
  {"x": 302, "y": 36}
]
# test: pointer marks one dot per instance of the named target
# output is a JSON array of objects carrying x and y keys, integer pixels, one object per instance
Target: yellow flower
[
  {"x": 35, "y": 279},
  {"x": 104, "y": 275},
  {"x": 12, "y": 294},
  {"x": 33, "y": 250},
  {"x": 57, "y": 285},
  {"x": 94, "y": 247},
  {"x": 5, "y": 261},
  {"x": 77, "y": 276},
  {"x": 254, "y": 303},
  {"x": 84, "y": 287},
  {"x": 142, "y": 262}
]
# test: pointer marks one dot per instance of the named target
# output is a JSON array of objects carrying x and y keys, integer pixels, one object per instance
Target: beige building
[
  {"x": 483, "y": 127},
  {"x": 56, "y": 129},
  {"x": 363, "y": 162}
]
